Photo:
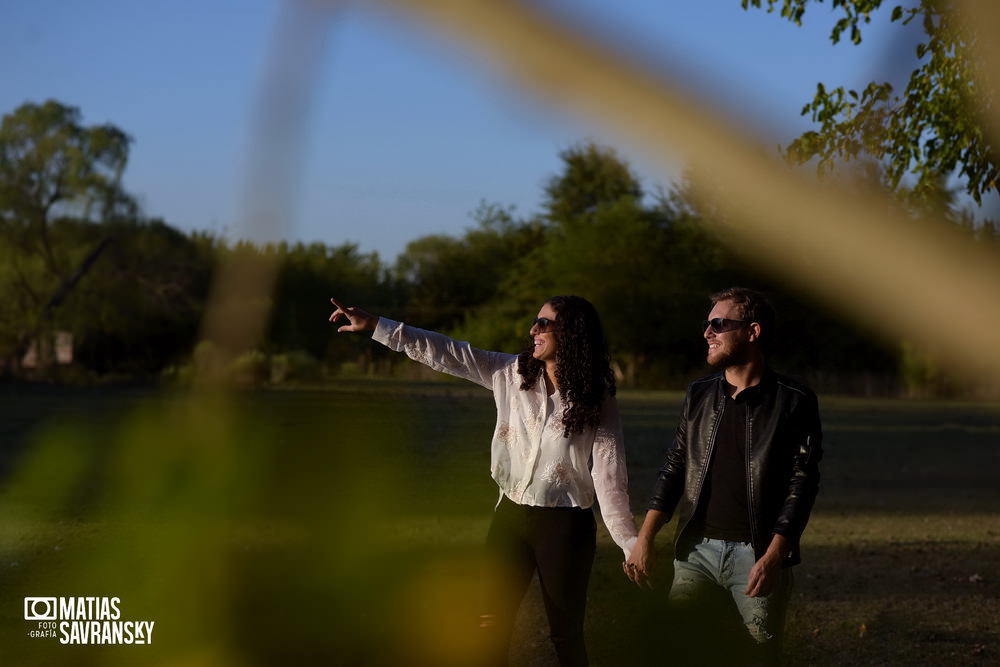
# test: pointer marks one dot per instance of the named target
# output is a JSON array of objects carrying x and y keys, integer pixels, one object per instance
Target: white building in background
[{"x": 62, "y": 348}]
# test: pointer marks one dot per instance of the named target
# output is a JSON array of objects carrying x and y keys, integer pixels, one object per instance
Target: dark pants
[{"x": 557, "y": 542}]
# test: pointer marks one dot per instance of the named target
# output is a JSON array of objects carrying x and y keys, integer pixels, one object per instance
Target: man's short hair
[{"x": 753, "y": 306}]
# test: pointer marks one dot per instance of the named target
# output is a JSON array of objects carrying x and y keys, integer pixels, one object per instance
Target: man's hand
[
  {"x": 766, "y": 572},
  {"x": 638, "y": 567}
]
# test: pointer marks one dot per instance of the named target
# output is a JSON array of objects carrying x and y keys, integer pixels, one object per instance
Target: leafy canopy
[{"x": 932, "y": 129}]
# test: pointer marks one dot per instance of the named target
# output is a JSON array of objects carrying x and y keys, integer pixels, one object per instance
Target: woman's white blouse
[{"x": 531, "y": 461}]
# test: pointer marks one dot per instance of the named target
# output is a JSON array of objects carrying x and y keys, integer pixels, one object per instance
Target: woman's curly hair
[{"x": 583, "y": 368}]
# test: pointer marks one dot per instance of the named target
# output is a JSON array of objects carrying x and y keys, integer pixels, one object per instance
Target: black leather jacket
[{"x": 785, "y": 447}]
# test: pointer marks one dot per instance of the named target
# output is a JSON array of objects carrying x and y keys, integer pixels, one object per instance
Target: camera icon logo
[{"x": 40, "y": 609}]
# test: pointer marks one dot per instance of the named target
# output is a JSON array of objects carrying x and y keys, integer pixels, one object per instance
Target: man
[{"x": 742, "y": 475}]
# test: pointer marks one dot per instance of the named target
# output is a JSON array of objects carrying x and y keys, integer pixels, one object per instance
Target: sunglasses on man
[{"x": 723, "y": 324}]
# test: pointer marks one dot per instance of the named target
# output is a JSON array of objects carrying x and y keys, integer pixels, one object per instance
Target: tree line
[{"x": 77, "y": 256}]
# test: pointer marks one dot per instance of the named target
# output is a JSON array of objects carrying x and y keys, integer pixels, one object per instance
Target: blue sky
[{"x": 404, "y": 134}]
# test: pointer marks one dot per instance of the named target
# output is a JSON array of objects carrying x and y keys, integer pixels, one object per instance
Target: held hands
[
  {"x": 639, "y": 564},
  {"x": 358, "y": 319}
]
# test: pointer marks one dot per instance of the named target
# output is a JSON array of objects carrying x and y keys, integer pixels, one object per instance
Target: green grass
[{"x": 344, "y": 527}]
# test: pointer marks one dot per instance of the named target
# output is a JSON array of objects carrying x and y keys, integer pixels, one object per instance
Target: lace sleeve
[
  {"x": 441, "y": 353},
  {"x": 611, "y": 478}
]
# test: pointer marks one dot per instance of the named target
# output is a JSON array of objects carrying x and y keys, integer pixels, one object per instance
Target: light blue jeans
[{"x": 726, "y": 565}]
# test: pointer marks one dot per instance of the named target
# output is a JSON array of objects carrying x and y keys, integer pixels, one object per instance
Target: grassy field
[{"x": 344, "y": 527}]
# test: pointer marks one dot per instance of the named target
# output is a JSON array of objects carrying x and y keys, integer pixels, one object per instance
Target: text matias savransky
[{"x": 85, "y": 620}]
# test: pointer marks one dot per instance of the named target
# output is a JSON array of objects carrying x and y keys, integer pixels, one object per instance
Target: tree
[
  {"x": 594, "y": 176},
  {"x": 934, "y": 128},
  {"x": 308, "y": 275},
  {"x": 52, "y": 167},
  {"x": 140, "y": 308},
  {"x": 604, "y": 243},
  {"x": 447, "y": 278}
]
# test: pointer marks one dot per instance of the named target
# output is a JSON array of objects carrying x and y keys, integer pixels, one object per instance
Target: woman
[{"x": 556, "y": 448}]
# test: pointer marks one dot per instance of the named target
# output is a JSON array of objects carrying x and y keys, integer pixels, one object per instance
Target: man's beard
[{"x": 734, "y": 355}]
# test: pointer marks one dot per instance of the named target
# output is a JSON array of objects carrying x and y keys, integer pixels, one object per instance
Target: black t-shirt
[{"x": 723, "y": 511}]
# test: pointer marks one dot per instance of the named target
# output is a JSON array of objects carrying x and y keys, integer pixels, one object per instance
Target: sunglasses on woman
[
  {"x": 543, "y": 324},
  {"x": 722, "y": 324}
]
